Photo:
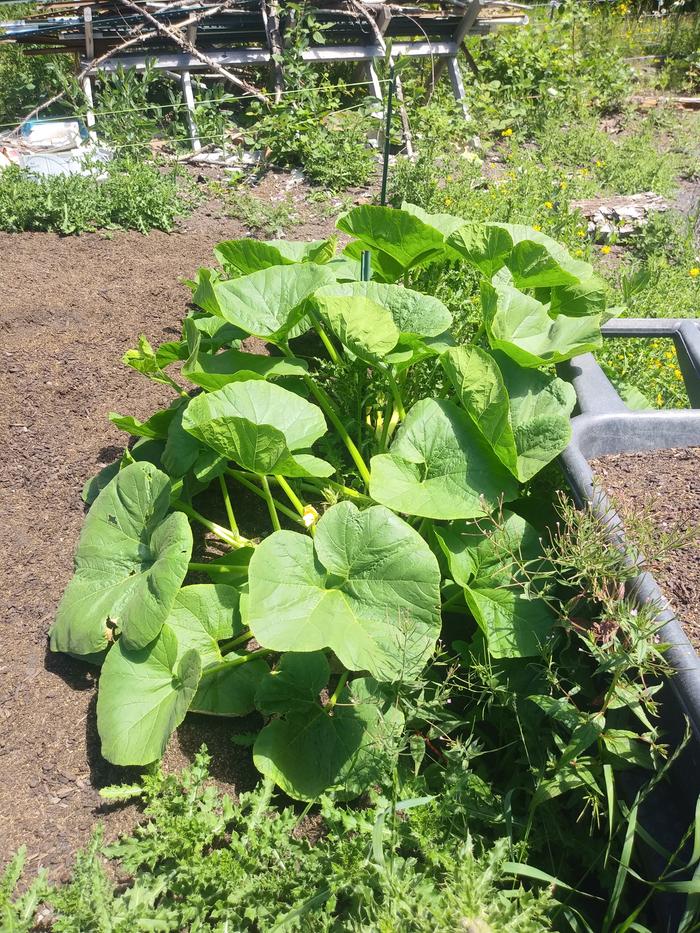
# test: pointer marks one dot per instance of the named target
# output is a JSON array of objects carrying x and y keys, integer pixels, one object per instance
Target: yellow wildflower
[
  {"x": 694, "y": 272},
  {"x": 548, "y": 205},
  {"x": 562, "y": 185},
  {"x": 508, "y": 132},
  {"x": 669, "y": 355},
  {"x": 605, "y": 250},
  {"x": 449, "y": 178},
  {"x": 677, "y": 373},
  {"x": 536, "y": 227},
  {"x": 580, "y": 234},
  {"x": 448, "y": 201},
  {"x": 578, "y": 252},
  {"x": 659, "y": 400},
  {"x": 599, "y": 163}
]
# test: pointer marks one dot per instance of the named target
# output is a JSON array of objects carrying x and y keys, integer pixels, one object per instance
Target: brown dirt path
[{"x": 69, "y": 308}]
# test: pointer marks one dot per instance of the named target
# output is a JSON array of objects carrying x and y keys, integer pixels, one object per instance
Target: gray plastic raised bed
[{"x": 605, "y": 425}]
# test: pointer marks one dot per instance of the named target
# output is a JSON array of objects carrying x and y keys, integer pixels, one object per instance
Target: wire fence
[{"x": 180, "y": 106}]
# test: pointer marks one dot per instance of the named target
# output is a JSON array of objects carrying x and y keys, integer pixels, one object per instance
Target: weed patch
[{"x": 133, "y": 196}]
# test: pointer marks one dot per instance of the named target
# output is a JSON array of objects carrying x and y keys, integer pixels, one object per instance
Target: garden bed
[{"x": 666, "y": 485}]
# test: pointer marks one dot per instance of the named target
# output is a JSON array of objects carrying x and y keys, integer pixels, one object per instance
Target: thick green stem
[
  {"x": 291, "y": 495},
  {"x": 236, "y": 662},
  {"x": 244, "y": 481},
  {"x": 194, "y": 567},
  {"x": 320, "y": 330},
  {"x": 346, "y": 490},
  {"x": 329, "y": 410},
  {"x": 338, "y": 690},
  {"x": 227, "y": 504},
  {"x": 232, "y": 539},
  {"x": 270, "y": 504},
  {"x": 386, "y": 421},
  {"x": 234, "y": 643},
  {"x": 396, "y": 392}
]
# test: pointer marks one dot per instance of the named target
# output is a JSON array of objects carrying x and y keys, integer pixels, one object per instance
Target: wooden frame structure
[{"x": 413, "y": 31}]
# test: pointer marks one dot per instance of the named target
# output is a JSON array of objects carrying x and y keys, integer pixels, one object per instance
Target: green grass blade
[{"x": 623, "y": 869}]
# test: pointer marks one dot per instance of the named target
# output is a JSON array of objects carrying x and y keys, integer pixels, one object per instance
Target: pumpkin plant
[{"x": 386, "y": 512}]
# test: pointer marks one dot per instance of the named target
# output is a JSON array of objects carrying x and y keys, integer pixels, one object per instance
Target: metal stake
[{"x": 387, "y": 133}]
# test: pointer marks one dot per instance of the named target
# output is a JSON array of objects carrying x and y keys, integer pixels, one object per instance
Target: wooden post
[
  {"x": 457, "y": 84},
  {"x": 186, "y": 85},
  {"x": 271, "y": 21},
  {"x": 465, "y": 24},
  {"x": 86, "y": 83},
  {"x": 188, "y": 95}
]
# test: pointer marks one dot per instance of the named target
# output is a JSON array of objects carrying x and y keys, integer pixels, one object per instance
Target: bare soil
[
  {"x": 666, "y": 485},
  {"x": 69, "y": 309}
]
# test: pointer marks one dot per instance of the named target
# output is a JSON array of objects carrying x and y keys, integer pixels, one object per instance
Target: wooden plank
[{"x": 340, "y": 53}]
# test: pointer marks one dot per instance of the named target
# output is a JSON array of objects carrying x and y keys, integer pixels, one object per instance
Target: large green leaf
[
  {"x": 130, "y": 563},
  {"x": 521, "y": 233},
  {"x": 213, "y": 371},
  {"x": 143, "y": 696},
  {"x": 202, "y": 616},
  {"x": 440, "y": 466},
  {"x": 532, "y": 265},
  {"x": 584, "y": 297},
  {"x": 540, "y": 409},
  {"x": 270, "y": 303},
  {"x": 155, "y": 427},
  {"x": 522, "y": 328},
  {"x": 182, "y": 450},
  {"x": 446, "y": 224},
  {"x": 295, "y": 685},
  {"x": 404, "y": 237},
  {"x": 366, "y": 328},
  {"x": 313, "y": 749},
  {"x": 367, "y": 587},
  {"x": 263, "y": 427},
  {"x": 241, "y": 257},
  {"x": 383, "y": 268},
  {"x": 413, "y": 312},
  {"x": 488, "y": 560},
  {"x": 485, "y": 246},
  {"x": 478, "y": 382},
  {"x": 203, "y": 291},
  {"x": 534, "y": 260},
  {"x": 522, "y": 412}
]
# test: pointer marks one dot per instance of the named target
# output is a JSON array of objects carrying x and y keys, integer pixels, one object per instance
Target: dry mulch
[
  {"x": 70, "y": 307},
  {"x": 666, "y": 485}
]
